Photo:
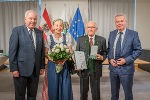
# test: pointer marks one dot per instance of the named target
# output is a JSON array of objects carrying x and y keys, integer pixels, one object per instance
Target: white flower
[
  {"x": 67, "y": 50},
  {"x": 53, "y": 50},
  {"x": 57, "y": 50},
  {"x": 65, "y": 46},
  {"x": 60, "y": 45},
  {"x": 62, "y": 48}
]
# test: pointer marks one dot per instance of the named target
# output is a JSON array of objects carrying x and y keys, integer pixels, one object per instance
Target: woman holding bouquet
[{"x": 59, "y": 79}]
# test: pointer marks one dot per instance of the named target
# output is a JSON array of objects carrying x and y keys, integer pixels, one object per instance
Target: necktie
[
  {"x": 91, "y": 41},
  {"x": 31, "y": 36},
  {"x": 118, "y": 47},
  {"x": 30, "y": 33}
]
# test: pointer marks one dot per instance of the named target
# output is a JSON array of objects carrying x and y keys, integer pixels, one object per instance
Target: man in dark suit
[
  {"x": 94, "y": 71},
  {"x": 26, "y": 57},
  {"x": 123, "y": 48}
]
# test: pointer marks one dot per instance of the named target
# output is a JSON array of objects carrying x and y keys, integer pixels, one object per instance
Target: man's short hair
[
  {"x": 29, "y": 11},
  {"x": 121, "y": 15},
  {"x": 93, "y": 22}
]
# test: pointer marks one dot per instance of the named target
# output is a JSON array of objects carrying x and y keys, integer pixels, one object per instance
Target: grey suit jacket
[
  {"x": 83, "y": 45},
  {"x": 131, "y": 49},
  {"x": 22, "y": 55}
]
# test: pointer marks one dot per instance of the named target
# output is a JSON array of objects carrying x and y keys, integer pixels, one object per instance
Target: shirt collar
[
  {"x": 91, "y": 37},
  {"x": 122, "y": 31},
  {"x": 30, "y": 29}
]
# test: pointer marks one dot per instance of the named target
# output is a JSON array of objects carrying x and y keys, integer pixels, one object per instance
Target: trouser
[
  {"x": 22, "y": 83},
  {"x": 94, "y": 84},
  {"x": 127, "y": 82}
]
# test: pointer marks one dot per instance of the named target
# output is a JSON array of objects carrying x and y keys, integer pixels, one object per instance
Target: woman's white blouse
[{"x": 56, "y": 40}]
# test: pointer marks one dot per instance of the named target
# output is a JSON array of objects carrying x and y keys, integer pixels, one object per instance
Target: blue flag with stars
[{"x": 77, "y": 26}]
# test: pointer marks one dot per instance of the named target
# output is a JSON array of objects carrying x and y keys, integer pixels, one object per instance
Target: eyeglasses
[{"x": 91, "y": 27}]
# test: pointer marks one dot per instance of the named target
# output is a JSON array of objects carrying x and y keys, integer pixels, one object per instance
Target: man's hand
[
  {"x": 121, "y": 61},
  {"x": 41, "y": 71},
  {"x": 15, "y": 74},
  {"x": 113, "y": 62},
  {"x": 99, "y": 57}
]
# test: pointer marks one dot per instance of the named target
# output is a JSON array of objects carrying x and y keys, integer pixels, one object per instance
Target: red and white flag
[{"x": 45, "y": 24}]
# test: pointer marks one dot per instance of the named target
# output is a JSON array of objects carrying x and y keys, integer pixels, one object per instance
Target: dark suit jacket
[
  {"x": 83, "y": 45},
  {"x": 22, "y": 55},
  {"x": 131, "y": 49}
]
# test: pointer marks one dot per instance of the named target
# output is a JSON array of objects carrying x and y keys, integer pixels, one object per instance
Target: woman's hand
[
  {"x": 61, "y": 62},
  {"x": 50, "y": 59}
]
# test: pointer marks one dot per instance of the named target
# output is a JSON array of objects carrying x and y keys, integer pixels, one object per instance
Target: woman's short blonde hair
[{"x": 60, "y": 20}]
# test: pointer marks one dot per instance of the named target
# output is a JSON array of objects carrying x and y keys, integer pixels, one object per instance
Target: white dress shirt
[
  {"x": 93, "y": 39},
  {"x": 122, "y": 38},
  {"x": 33, "y": 35}
]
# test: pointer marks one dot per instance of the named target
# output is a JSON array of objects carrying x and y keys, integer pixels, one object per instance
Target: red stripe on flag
[
  {"x": 44, "y": 35},
  {"x": 46, "y": 17},
  {"x": 45, "y": 87}
]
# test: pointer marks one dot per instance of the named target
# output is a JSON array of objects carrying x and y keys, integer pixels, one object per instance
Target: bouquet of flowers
[{"x": 59, "y": 53}]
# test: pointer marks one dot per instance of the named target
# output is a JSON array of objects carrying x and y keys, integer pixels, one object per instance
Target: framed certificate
[
  {"x": 93, "y": 53},
  {"x": 80, "y": 60}
]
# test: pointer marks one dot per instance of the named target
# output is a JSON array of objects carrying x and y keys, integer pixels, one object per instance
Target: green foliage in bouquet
[{"x": 59, "y": 52}]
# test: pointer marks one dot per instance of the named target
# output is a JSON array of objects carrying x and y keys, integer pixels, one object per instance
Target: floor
[{"x": 141, "y": 88}]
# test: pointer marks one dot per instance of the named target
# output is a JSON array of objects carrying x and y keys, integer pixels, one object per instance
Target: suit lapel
[
  {"x": 112, "y": 41},
  {"x": 26, "y": 31},
  {"x": 27, "y": 37},
  {"x": 87, "y": 44},
  {"x": 37, "y": 38},
  {"x": 114, "y": 37},
  {"x": 96, "y": 41},
  {"x": 125, "y": 40}
]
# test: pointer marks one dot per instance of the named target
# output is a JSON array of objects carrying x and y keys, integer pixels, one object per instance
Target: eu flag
[{"x": 77, "y": 26}]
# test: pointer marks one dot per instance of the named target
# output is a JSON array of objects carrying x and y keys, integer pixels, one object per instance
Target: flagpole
[
  {"x": 40, "y": 9},
  {"x": 45, "y": 3},
  {"x": 65, "y": 10}
]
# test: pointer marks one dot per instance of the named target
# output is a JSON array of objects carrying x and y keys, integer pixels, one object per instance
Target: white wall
[
  {"x": 143, "y": 22},
  {"x": 65, "y": 8}
]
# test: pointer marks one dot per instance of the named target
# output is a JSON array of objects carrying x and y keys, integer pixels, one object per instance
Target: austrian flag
[{"x": 45, "y": 24}]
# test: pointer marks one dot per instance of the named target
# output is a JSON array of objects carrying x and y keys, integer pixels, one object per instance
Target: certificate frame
[
  {"x": 80, "y": 60},
  {"x": 94, "y": 50}
]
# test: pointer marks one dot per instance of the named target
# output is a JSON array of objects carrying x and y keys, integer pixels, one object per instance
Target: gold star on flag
[
  {"x": 77, "y": 35},
  {"x": 73, "y": 29},
  {"x": 73, "y": 25},
  {"x": 74, "y": 33},
  {"x": 75, "y": 21},
  {"x": 78, "y": 20}
]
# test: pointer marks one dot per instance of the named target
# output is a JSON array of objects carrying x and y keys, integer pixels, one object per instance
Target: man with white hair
[
  {"x": 26, "y": 57},
  {"x": 94, "y": 71}
]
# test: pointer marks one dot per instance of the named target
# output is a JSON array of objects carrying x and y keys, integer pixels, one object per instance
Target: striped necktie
[
  {"x": 118, "y": 47},
  {"x": 31, "y": 36},
  {"x": 30, "y": 33}
]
